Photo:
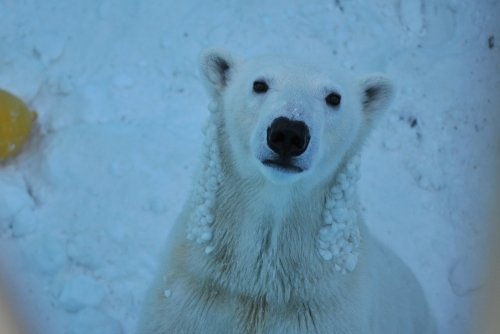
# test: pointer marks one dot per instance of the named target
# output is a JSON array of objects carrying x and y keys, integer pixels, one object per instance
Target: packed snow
[
  {"x": 207, "y": 183},
  {"x": 339, "y": 238},
  {"x": 86, "y": 208}
]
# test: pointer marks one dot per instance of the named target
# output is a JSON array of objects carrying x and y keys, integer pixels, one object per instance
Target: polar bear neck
[{"x": 338, "y": 236}]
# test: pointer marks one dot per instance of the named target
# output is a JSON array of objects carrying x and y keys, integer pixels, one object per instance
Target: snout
[
  {"x": 287, "y": 138},
  {"x": 287, "y": 142}
]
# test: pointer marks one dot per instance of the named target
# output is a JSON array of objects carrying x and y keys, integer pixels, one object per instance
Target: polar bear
[{"x": 271, "y": 239}]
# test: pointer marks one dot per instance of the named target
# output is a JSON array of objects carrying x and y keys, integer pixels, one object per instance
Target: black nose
[{"x": 287, "y": 138}]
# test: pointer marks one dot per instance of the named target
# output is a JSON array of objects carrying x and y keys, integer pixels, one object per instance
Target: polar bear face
[{"x": 290, "y": 122}]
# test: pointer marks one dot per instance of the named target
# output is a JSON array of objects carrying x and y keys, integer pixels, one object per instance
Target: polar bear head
[{"x": 289, "y": 122}]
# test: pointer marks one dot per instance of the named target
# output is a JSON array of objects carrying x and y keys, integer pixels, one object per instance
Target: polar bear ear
[
  {"x": 377, "y": 92},
  {"x": 217, "y": 66}
]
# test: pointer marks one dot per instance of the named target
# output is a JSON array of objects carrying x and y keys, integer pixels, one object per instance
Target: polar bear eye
[
  {"x": 332, "y": 99},
  {"x": 260, "y": 86}
]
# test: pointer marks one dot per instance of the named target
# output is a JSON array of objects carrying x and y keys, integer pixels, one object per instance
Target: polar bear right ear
[
  {"x": 217, "y": 66},
  {"x": 377, "y": 93}
]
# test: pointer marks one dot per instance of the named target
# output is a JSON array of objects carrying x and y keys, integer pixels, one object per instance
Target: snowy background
[{"x": 85, "y": 210}]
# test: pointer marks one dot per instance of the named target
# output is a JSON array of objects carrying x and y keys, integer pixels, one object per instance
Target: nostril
[
  {"x": 277, "y": 137},
  {"x": 298, "y": 142}
]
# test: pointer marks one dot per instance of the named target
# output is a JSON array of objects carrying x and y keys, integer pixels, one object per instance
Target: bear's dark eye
[
  {"x": 260, "y": 86},
  {"x": 332, "y": 99}
]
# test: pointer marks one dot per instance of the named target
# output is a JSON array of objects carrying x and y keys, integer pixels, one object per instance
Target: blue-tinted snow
[{"x": 85, "y": 210}]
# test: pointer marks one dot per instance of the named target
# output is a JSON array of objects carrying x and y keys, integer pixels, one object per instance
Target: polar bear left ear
[
  {"x": 377, "y": 92},
  {"x": 217, "y": 66}
]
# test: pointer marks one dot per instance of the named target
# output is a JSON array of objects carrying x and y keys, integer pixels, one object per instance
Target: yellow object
[{"x": 16, "y": 121}]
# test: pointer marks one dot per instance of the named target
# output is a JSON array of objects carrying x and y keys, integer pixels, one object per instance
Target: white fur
[{"x": 260, "y": 250}]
